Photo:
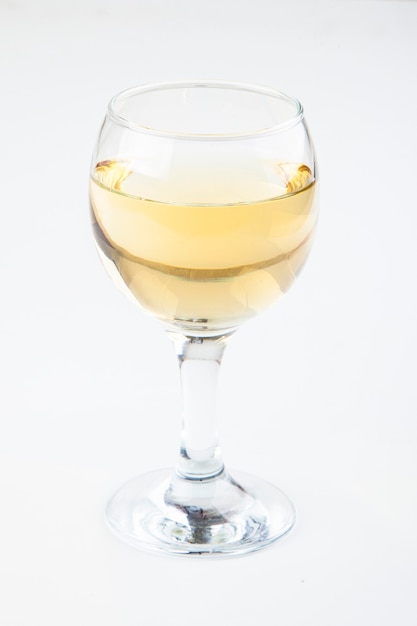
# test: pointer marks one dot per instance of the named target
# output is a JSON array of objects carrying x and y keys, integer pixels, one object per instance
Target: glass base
[{"x": 218, "y": 516}]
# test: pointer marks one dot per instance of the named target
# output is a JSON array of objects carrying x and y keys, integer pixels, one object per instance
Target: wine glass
[{"x": 203, "y": 199}]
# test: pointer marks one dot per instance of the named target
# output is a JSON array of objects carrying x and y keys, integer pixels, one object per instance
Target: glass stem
[{"x": 199, "y": 361}]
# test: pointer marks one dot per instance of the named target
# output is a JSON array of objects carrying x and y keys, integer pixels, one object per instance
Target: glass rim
[{"x": 292, "y": 120}]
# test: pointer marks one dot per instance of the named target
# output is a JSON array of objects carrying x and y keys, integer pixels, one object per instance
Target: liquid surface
[{"x": 203, "y": 267}]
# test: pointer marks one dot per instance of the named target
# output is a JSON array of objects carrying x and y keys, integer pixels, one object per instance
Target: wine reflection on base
[{"x": 218, "y": 517}]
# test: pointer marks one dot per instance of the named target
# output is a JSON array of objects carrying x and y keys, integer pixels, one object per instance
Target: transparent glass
[{"x": 203, "y": 202}]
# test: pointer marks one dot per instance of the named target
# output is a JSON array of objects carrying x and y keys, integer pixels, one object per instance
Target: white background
[{"x": 318, "y": 395}]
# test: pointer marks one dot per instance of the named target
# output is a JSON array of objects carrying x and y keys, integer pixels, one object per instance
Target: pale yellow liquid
[{"x": 203, "y": 267}]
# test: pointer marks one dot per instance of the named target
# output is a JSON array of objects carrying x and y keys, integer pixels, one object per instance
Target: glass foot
[{"x": 165, "y": 512}]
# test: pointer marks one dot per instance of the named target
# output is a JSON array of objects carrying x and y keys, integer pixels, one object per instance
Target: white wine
[{"x": 206, "y": 266}]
